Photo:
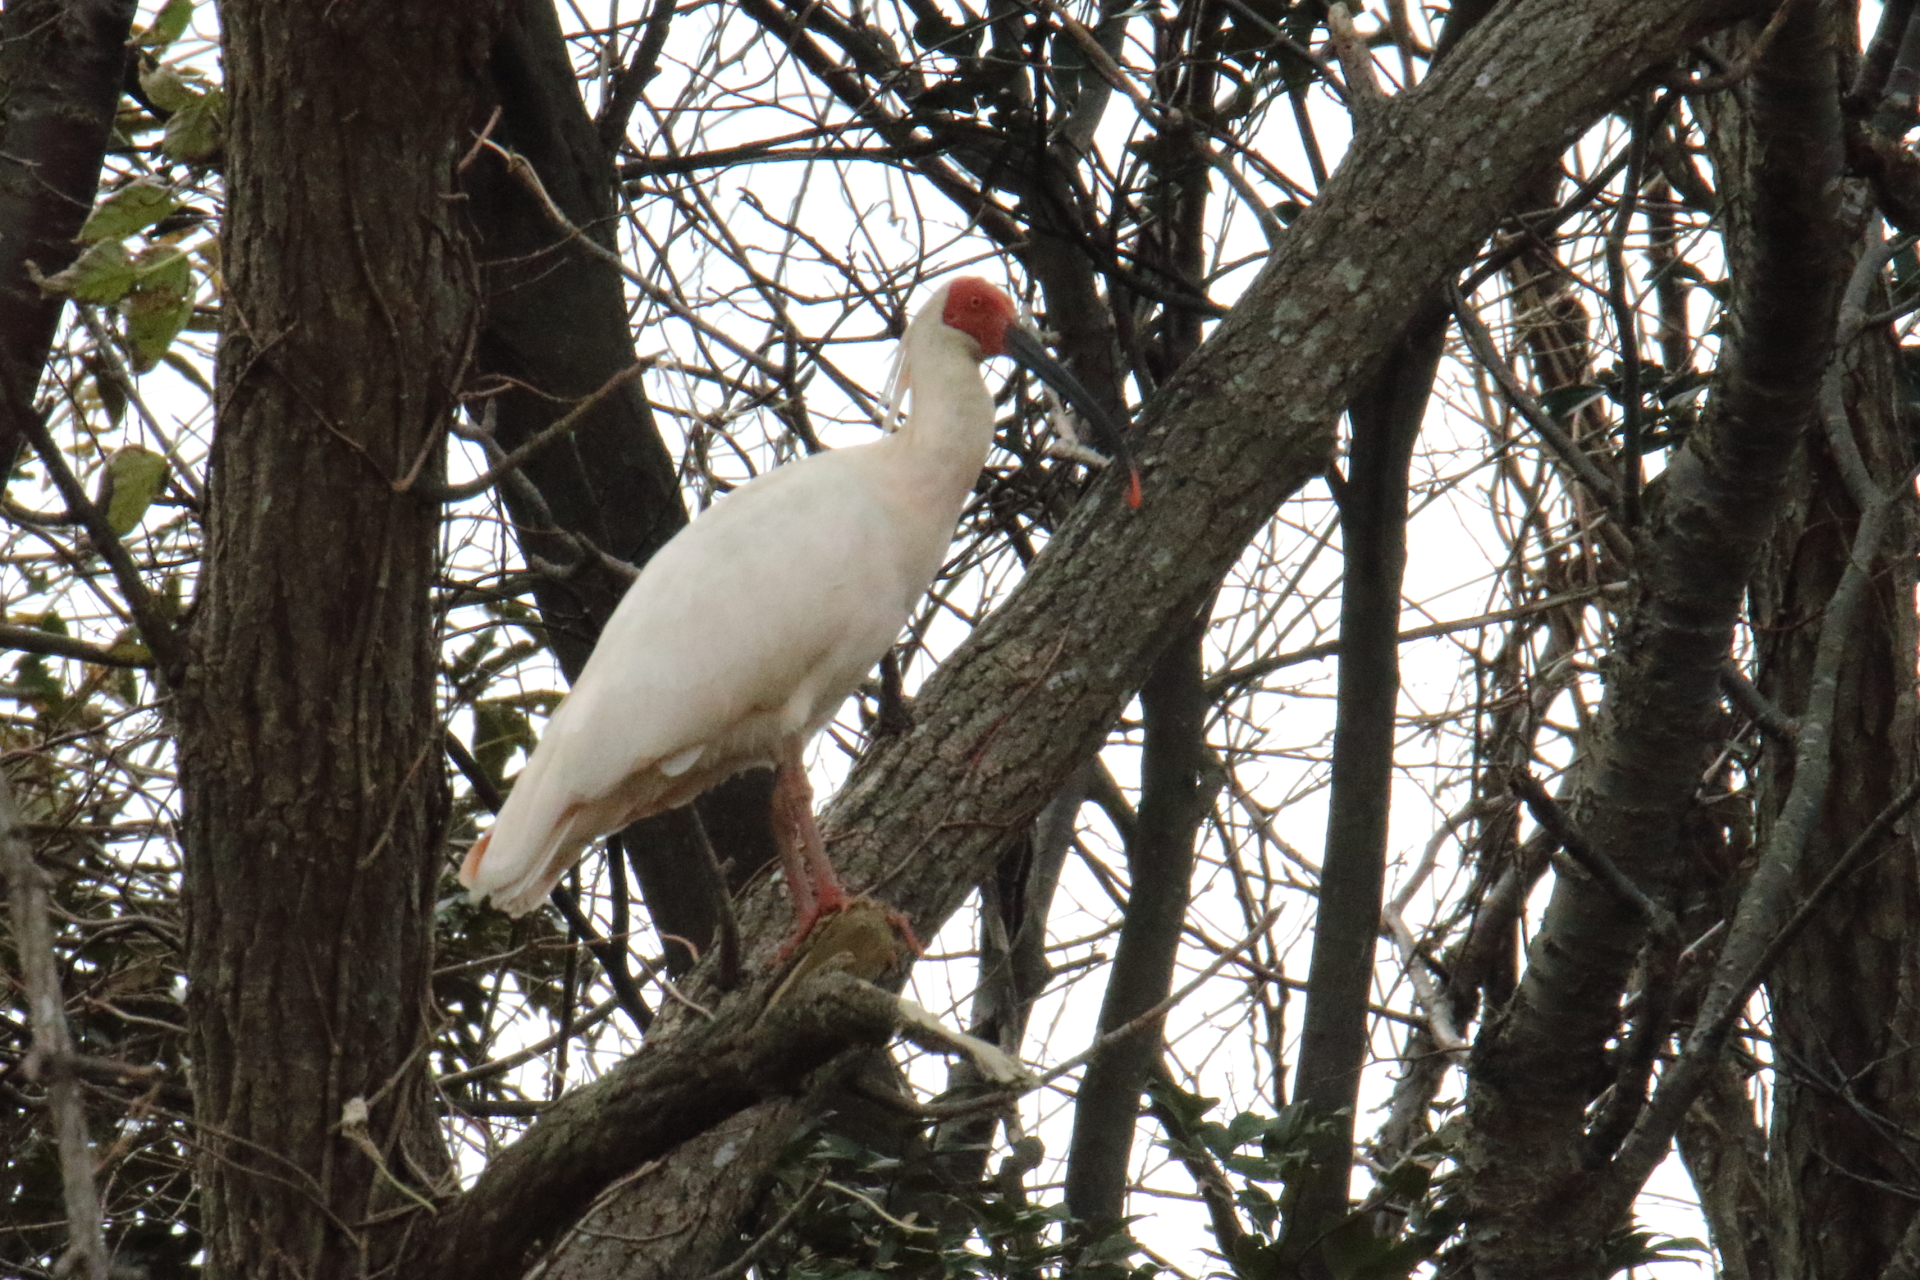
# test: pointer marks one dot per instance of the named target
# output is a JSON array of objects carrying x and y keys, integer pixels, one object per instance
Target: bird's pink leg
[{"x": 811, "y": 879}]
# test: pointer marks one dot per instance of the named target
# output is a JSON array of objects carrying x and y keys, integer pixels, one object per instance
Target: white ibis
[{"x": 744, "y": 634}]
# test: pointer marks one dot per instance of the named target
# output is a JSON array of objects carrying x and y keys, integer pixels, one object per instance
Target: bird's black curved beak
[{"x": 1028, "y": 351}]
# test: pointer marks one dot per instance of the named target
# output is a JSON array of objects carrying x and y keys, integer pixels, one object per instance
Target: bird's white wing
[
  {"x": 759, "y": 618},
  {"x": 753, "y": 624}
]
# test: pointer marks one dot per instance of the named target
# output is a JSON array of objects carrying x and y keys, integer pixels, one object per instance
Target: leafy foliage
[{"x": 869, "y": 1216}]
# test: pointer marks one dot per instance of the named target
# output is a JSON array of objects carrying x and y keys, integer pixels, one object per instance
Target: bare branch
[
  {"x": 162, "y": 638},
  {"x": 52, "y": 1058},
  {"x": 1548, "y": 813},
  {"x": 33, "y": 640},
  {"x": 513, "y": 459}
]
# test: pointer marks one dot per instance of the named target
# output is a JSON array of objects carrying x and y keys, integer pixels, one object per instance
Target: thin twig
[
  {"x": 1625, "y": 322},
  {"x": 1742, "y": 69},
  {"x": 1227, "y": 681},
  {"x": 1439, "y": 1017},
  {"x": 728, "y": 924},
  {"x": 540, "y": 440},
  {"x": 519, "y": 1057},
  {"x": 163, "y": 640},
  {"x": 1553, "y": 819},
  {"x": 1761, "y": 709},
  {"x": 538, "y": 517},
  {"x": 751, "y": 1254},
  {"x": 624, "y": 988},
  {"x": 1563, "y": 445},
  {"x": 522, "y": 168},
  {"x": 1364, "y": 98},
  {"x": 117, "y": 369},
  {"x": 1151, "y": 1017},
  {"x": 622, "y": 982}
]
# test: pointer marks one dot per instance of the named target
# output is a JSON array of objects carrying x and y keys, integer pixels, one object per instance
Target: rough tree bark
[
  {"x": 309, "y": 745},
  {"x": 61, "y": 67},
  {"x": 1846, "y": 1028}
]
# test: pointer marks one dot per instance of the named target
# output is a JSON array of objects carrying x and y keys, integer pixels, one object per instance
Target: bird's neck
[{"x": 950, "y": 427}]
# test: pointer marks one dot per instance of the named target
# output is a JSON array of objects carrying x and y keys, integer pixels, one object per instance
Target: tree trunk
[
  {"x": 1336, "y": 1029},
  {"x": 309, "y": 744},
  {"x": 1846, "y": 1028},
  {"x": 61, "y": 67},
  {"x": 1539, "y": 1203},
  {"x": 1160, "y": 850}
]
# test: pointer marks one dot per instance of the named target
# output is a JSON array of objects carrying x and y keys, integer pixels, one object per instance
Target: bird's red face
[{"x": 980, "y": 311}]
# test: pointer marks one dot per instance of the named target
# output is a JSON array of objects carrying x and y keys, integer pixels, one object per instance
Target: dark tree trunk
[
  {"x": 555, "y": 331},
  {"x": 310, "y": 748},
  {"x": 1173, "y": 705},
  {"x": 1385, "y": 419},
  {"x": 61, "y": 67},
  {"x": 1539, "y": 1205},
  {"x": 556, "y": 326},
  {"x": 1846, "y": 1027}
]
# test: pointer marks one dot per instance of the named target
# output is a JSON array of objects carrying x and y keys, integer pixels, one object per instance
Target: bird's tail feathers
[{"x": 519, "y": 875}]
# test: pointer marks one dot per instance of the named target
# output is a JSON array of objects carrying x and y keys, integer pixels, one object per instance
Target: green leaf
[
  {"x": 1407, "y": 1180},
  {"x": 197, "y": 130},
  {"x": 49, "y": 621},
  {"x": 102, "y": 273},
  {"x": 35, "y": 683},
  {"x": 159, "y": 304},
  {"x": 167, "y": 88},
  {"x": 188, "y": 370},
  {"x": 1245, "y": 1127},
  {"x": 1188, "y": 1108},
  {"x": 1639, "y": 1248},
  {"x": 133, "y": 479},
  {"x": 499, "y": 729},
  {"x": 167, "y": 25},
  {"x": 132, "y": 208},
  {"x": 1242, "y": 100},
  {"x": 113, "y": 397},
  {"x": 132, "y": 650},
  {"x": 1260, "y": 1206}
]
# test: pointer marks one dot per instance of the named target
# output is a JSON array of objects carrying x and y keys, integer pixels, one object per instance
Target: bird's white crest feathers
[{"x": 898, "y": 383}]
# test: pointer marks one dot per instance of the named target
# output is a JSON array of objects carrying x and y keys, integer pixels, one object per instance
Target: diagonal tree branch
[{"x": 641, "y": 1110}]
